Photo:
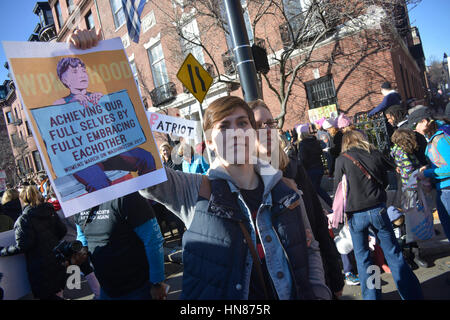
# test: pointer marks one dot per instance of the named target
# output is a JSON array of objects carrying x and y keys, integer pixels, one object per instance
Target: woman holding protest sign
[{"x": 246, "y": 238}]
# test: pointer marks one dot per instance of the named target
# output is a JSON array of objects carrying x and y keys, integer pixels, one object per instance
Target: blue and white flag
[{"x": 132, "y": 10}]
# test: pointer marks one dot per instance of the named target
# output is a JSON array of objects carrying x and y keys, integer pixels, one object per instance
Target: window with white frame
[
  {"x": 158, "y": 65},
  {"x": 59, "y": 16},
  {"x": 89, "y": 19},
  {"x": 70, "y": 6},
  {"x": 118, "y": 14},
  {"x": 293, "y": 10},
  {"x": 37, "y": 160},
  {"x": 191, "y": 36},
  {"x": 135, "y": 74}
]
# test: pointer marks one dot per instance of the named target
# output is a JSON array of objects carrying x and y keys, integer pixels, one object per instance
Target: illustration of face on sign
[
  {"x": 90, "y": 136},
  {"x": 87, "y": 119}
]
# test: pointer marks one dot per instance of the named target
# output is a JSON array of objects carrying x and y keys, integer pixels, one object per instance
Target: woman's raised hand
[{"x": 84, "y": 39}]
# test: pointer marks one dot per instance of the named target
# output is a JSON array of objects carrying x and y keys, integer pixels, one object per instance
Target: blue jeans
[
  {"x": 443, "y": 206},
  {"x": 406, "y": 281},
  {"x": 315, "y": 175},
  {"x": 347, "y": 263},
  {"x": 143, "y": 293}
]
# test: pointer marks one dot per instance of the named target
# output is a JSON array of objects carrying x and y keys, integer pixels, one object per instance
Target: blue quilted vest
[{"x": 214, "y": 257}]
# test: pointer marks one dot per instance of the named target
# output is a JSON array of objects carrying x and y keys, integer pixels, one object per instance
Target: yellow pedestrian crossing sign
[{"x": 194, "y": 77}]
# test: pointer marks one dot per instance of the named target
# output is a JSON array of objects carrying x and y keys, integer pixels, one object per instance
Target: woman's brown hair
[
  {"x": 356, "y": 139},
  {"x": 9, "y": 195},
  {"x": 31, "y": 196},
  {"x": 223, "y": 107},
  {"x": 405, "y": 139}
]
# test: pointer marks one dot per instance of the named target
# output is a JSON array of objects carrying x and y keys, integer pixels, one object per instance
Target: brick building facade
[
  {"x": 348, "y": 71},
  {"x": 353, "y": 76}
]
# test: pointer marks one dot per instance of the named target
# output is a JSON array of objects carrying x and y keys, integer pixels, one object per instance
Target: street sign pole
[
  {"x": 198, "y": 81},
  {"x": 201, "y": 113},
  {"x": 242, "y": 51}
]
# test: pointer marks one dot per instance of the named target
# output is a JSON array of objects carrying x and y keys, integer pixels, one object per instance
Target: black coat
[
  {"x": 362, "y": 192},
  {"x": 319, "y": 223},
  {"x": 38, "y": 230},
  {"x": 13, "y": 209},
  {"x": 310, "y": 153}
]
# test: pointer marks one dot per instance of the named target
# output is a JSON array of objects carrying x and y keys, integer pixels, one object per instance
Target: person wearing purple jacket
[{"x": 391, "y": 97}]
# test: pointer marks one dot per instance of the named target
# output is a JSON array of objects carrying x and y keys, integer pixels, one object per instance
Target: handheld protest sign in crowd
[{"x": 88, "y": 120}]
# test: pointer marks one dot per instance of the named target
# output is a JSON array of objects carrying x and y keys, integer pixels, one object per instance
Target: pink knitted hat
[
  {"x": 320, "y": 121},
  {"x": 343, "y": 121}
]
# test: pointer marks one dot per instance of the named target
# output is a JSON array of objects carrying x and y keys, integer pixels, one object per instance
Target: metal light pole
[{"x": 242, "y": 51}]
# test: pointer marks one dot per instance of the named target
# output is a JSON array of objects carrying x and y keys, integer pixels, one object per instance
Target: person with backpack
[
  {"x": 245, "y": 235},
  {"x": 437, "y": 132},
  {"x": 366, "y": 172},
  {"x": 125, "y": 245}
]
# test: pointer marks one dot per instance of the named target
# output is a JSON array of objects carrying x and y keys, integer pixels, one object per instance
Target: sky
[
  {"x": 17, "y": 22},
  {"x": 432, "y": 19}
]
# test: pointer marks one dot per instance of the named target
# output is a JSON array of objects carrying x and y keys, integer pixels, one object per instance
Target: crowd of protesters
[{"x": 257, "y": 229}]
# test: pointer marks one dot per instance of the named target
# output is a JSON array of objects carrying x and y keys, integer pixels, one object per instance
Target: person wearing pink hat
[
  {"x": 320, "y": 122},
  {"x": 343, "y": 121}
]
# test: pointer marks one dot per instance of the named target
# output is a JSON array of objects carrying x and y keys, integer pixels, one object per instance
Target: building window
[
  {"x": 21, "y": 166},
  {"x": 42, "y": 18},
  {"x": 27, "y": 164},
  {"x": 9, "y": 117},
  {"x": 135, "y": 74},
  {"x": 118, "y": 14},
  {"x": 37, "y": 161},
  {"x": 191, "y": 36},
  {"x": 321, "y": 92},
  {"x": 59, "y": 16},
  {"x": 27, "y": 125},
  {"x": 70, "y": 6},
  {"x": 89, "y": 18},
  {"x": 158, "y": 65}
]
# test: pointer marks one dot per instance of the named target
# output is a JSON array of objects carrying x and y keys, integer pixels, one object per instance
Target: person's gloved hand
[
  {"x": 139, "y": 160},
  {"x": 93, "y": 178}
]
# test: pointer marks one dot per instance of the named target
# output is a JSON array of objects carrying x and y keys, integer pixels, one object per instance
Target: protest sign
[
  {"x": 172, "y": 125},
  {"x": 14, "y": 268},
  {"x": 329, "y": 111},
  {"x": 87, "y": 119}
]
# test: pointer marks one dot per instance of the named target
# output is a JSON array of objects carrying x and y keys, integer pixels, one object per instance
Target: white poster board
[{"x": 88, "y": 120}]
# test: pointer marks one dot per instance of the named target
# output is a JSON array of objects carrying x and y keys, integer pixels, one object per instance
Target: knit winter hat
[
  {"x": 343, "y": 121},
  {"x": 320, "y": 122},
  {"x": 328, "y": 123},
  {"x": 302, "y": 128}
]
